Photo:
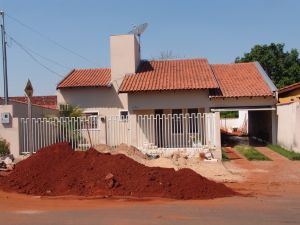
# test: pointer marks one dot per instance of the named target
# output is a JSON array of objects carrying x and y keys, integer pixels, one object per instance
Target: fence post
[
  {"x": 217, "y": 133},
  {"x": 103, "y": 130},
  {"x": 133, "y": 130}
]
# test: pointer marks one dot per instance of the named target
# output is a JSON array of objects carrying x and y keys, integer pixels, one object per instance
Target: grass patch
[
  {"x": 291, "y": 155},
  {"x": 224, "y": 155},
  {"x": 251, "y": 153}
]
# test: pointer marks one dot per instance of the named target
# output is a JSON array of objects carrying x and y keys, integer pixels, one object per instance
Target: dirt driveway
[{"x": 273, "y": 188}]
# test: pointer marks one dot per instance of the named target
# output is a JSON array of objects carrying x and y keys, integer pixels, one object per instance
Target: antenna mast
[
  {"x": 138, "y": 30},
  {"x": 4, "y": 59}
]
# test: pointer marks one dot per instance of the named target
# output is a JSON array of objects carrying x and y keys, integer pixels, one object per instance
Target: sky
[{"x": 219, "y": 30}]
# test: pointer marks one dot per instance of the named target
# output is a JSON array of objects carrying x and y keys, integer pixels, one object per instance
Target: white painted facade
[
  {"x": 288, "y": 133},
  {"x": 240, "y": 123}
]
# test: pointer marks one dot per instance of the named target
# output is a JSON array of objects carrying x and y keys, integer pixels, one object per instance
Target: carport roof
[{"x": 240, "y": 80}]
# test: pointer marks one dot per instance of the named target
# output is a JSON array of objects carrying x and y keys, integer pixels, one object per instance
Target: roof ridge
[
  {"x": 289, "y": 86},
  {"x": 175, "y": 59},
  {"x": 231, "y": 64},
  {"x": 98, "y": 68}
]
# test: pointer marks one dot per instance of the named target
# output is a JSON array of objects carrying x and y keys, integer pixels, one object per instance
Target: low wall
[
  {"x": 10, "y": 131},
  {"x": 240, "y": 123},
  {"x": 288, "y": 133}
]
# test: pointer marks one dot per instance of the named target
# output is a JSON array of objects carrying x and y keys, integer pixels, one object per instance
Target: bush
[
  {"x": 4, "y": 147},
  {"x": 229, "y": 114}
]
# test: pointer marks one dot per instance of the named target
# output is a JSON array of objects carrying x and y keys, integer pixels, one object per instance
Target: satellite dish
[{"x": 138, "y": 29}]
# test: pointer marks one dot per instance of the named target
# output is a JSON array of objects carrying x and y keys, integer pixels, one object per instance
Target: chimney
[{"x": 124, "y": 56}]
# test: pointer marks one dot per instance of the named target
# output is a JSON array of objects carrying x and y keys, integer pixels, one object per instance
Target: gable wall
[{"x": 103, "y": 100}]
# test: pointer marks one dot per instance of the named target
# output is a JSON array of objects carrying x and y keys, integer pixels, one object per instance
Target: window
[
  {"x": 177, "y": 120},
  {"x": 123, "y": 115},
  {"x": 92, "y": 120}
]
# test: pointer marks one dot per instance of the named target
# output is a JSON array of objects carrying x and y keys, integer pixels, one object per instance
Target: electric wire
[
  {"x": 49, "y": 39},
  {"x": 34, "y": 58},
  {"x": 36, "y": 53}
]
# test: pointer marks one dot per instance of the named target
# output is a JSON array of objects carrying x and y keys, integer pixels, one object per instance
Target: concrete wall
[
  {"x": 169, "y": 100},
  {"x": 190, "y": 99},
  {"x": 17, "y": 110},
  {"x": 288, "y": 134},
  {"x": 241, "y": 122},
  {"x": 10, "y": 132},
  {"x": 104, "y": 100}
]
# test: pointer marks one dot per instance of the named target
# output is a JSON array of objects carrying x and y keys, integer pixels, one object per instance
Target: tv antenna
[{"x": 138, "y": 30}]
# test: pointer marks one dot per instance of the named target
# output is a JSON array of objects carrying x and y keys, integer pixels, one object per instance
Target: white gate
[
  {"x": 176, "y": 131},
  {"x": 118, "y": 130}
]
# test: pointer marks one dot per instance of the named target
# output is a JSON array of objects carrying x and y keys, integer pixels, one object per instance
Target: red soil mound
[{"x": 59, "y": 170}]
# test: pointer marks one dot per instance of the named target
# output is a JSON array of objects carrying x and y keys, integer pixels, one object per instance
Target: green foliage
[
  {"x": 230, "y": 114},
  {"x": 284, "y": 152},
  {"x": 224, "y": 155},
  {"x": 69, "y": 130},
  {"x": 4, "y": 147},
  {"x": 251, "y": 153},
  {"x": 282, "y": 67},
  {"x": 69, "y": 111}
]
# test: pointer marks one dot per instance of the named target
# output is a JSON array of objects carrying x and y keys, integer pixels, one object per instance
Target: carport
[
  {"x": 247, "y": 87},
  {"x": 262, "y": 122}
]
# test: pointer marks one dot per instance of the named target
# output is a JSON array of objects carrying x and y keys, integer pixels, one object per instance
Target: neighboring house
[
  {"x": 288, "y": 113},
  {"x": 49, "y": 101},
  {"x": 289, "y": 93},
  {"x": 135, "y": 86}
]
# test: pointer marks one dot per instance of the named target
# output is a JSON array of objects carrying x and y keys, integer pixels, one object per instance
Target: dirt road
[{"x": 273, "y": 188}]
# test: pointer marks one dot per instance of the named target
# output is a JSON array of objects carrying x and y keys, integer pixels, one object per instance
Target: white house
[{"x": 178, "y": 86}]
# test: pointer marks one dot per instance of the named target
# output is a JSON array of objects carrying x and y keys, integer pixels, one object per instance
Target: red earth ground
[{"x": 273, "y": 188}]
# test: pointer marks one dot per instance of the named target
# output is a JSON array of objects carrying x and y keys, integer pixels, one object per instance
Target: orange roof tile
[
  {"x": 289, "y": 88},
  {"x": 183, "y": 74},
  {"x": 240, "y": 80},
  {"x": 86, "y": 78},
  {"x": 49, "y": 101}
]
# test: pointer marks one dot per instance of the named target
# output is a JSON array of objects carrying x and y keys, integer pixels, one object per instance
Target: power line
[
  {"x": 34, "y": 58},
  {"x": 50, "y": 40},
  {"x": 34, "y": 52}
]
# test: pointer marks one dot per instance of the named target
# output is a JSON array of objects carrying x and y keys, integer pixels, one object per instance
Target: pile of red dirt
[{"x": 59, "y": 170}]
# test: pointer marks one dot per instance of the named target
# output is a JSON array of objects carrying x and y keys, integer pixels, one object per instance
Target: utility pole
[{"x": 4, "y": 59}]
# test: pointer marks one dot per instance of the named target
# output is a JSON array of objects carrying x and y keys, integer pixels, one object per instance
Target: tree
[
  {"x": 282, "y": 67},
  {"x": 66, "y": 110}
]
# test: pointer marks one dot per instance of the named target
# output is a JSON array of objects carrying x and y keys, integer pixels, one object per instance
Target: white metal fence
[
  {"x": 81, "y": 133},
  {"x": 142, "y": 131},
  {"x": 176, "y": 131}
]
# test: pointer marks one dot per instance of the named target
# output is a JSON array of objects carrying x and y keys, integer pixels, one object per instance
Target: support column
[
  {"x": 133, "y": 130},
  {"x": 274, "y": 127},
  {"x": 218, "y": 152}
]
